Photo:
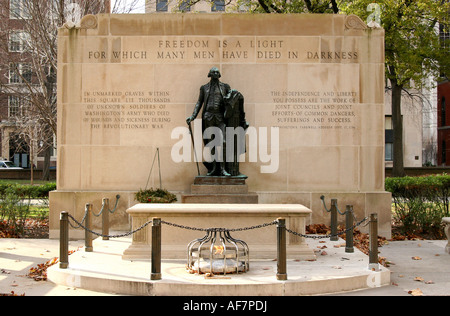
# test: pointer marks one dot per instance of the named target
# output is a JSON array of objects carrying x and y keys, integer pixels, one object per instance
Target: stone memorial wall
[{"x": 314, "y": 98}]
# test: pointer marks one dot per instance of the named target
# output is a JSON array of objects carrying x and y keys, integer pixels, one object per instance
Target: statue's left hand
[{"x": 189, "y": 120}]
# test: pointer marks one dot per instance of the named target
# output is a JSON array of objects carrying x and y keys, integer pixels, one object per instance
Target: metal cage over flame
[{"x": 218, "y": 253}]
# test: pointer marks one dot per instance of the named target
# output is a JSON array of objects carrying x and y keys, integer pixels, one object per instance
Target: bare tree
[
  {"x": 31, "y": 26},
  {"x": 123, "y": 6}
]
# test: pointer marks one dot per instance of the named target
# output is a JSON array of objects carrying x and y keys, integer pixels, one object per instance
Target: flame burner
[{"x": 218, "y": 253}]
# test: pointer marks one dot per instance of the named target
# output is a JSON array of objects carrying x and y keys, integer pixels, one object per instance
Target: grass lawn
[{"x": 27, "y": 181}]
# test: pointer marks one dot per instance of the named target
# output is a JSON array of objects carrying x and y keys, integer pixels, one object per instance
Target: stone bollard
[
  {"x": 156, "y": 250},
  {"x": 88, "y": 238},
  {"x": 281, "y": 250},
  {"x": 334, "y": 220},
  {"x": 105, "y": 219},
  {"x": 373, "y": 242},
  {"x": 64, "y": 240},
  {"x": 349, "y": 230}
]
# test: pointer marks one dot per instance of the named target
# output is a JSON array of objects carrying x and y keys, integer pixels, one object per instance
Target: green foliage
[
  {"x": 282, "y": 6},
  {"x": 420, "y": 203},
  {"x": 155, "y": 196},
  {"x": 27, "y": 191},
  {"x": 15, "y": 205},
  {"x": 413, "y": 50}
]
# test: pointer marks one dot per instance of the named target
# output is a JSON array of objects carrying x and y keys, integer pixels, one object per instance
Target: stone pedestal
[
  {"x": 262, "y": 242},
  {"x": 228, "y": 190}
]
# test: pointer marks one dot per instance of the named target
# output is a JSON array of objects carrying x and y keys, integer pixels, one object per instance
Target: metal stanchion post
[
  {"x": 64, "y": 240},
  {"x": 281, "y": 250},
  {"x": 156, "y": 250},
  {"x": 88, "y": 235},
  {"x": 373, "y": 242},
  {"x": 349, "y": 229},
  {"x": 334, "y": 221},
  {"x": 105, "y": 219}
]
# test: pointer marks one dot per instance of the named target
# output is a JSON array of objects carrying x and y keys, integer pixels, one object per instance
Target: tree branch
[
  {"x": 267, "y": 8},
  {"x": 334, "y": 6},
  {"x": 263, "y": 5},
  {"x": 309, "y": 5}
]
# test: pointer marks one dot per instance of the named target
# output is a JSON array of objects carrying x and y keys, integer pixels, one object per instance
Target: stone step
[
  {"x": 219, "y": 189},
  {"x": 249, "y": 198}
]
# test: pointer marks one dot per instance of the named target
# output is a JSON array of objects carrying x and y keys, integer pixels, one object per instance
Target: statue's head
[{"x": 214, "y": 73}]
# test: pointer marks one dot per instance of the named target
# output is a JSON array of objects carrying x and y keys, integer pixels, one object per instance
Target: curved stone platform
[{"x": 104, "y": 271}]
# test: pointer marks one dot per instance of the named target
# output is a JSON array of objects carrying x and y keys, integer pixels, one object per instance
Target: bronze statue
[{"x": 222, "y": 108}]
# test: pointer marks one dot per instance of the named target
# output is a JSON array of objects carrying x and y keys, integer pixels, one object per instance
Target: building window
[
  {"x": 162, "y": 5},
  {"x": 389, "y": 152},
  {"x": 185, "y": 6},
  {"x": 19, "y": 73},
  {"x": 17, "y": 106},
  {"x": 443, "y": 109},
  {"x": 218, "y": 5},
  {"x": 17, "y": 41},
  {"x": 18, "y": 9},
  {"x": 444, "y": 152},
  {"x": 389, "y": 139}
]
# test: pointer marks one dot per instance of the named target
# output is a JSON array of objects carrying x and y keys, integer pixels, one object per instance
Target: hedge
[
  {"x": 15, "y": 206},
  {"x": 27, "y": 190},
  {"x": 420, "y": 203}
]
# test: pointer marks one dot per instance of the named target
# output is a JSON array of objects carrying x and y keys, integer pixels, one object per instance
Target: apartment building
[{"x": 28, "y": 74}]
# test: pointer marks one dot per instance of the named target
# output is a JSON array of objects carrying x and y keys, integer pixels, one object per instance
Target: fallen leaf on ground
[
  {"x": 416, "y": 258},
  {"x": 416, "y": 292},
  {"x": 383, "y": 261},
  {"x": 420, "y": 279},
  {"x": 429, "y": 282},
  {"x": 11, "y": 294},
  {"x": 39, "y": 273},
  {"x": 213, "y": 276}
]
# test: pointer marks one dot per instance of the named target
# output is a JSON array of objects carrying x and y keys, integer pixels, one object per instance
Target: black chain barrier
[
  {"x": 337, "y": 208},
  {"x": 156, "y": 238},
  {"x": 221, "y": 229},
  {"x": 109, "y": 210},
  {"x": 103, "y": 235},
  {"x": 212, "y": 229},
  {"x": 330, "y": 235}
]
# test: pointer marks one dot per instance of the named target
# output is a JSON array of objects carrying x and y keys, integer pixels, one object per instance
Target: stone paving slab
[{"x": 17, "y": 256}]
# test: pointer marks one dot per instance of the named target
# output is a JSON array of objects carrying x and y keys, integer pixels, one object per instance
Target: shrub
[
  {"x": 26, "y": 190},
  {"x": 155, "y": 196},
  {"x": 420, "y": 203},
  {"x": 15, "y": 205}
]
